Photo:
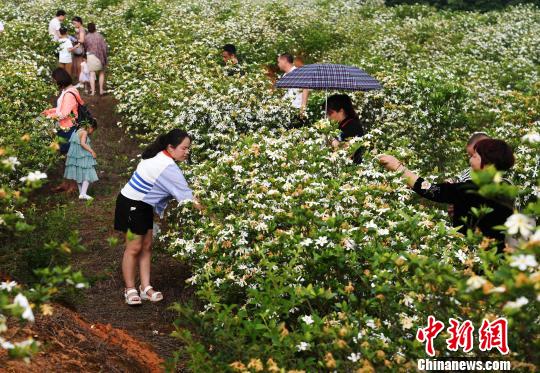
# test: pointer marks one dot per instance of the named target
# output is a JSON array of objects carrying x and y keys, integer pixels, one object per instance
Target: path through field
[
  {"x": 100, "y": 332},
  {"x": 103, "y": 302}
]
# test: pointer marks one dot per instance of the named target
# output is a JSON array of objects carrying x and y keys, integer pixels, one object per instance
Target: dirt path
[
  {"x": 103, "y": 302},
  {"x": 70, "y": 344},
  {"x": 99, "y": 332}
]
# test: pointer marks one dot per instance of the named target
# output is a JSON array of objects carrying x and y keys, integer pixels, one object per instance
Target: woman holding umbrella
[{"x": 333, "y": 77}]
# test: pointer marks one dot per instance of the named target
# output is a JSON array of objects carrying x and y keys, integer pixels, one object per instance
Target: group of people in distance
[
  {"x": 83, "y": 55},
  {"x": 80, "y": 56}
]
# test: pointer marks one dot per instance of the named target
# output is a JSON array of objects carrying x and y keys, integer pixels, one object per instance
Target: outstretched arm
[
  {"x": 393, "y": 164},
  {"x": 444, "y": 192}
]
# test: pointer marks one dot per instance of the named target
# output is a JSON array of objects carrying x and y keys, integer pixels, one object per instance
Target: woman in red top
[{"x": 65, "y": 112}]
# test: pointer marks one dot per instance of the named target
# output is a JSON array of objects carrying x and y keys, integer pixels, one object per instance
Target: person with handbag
[
  {"x": 66, "y": 113},
  {"x": 79, "y": 51}
]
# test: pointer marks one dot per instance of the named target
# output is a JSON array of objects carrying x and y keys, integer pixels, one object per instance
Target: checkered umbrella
[{"x": 329, "y": 76}]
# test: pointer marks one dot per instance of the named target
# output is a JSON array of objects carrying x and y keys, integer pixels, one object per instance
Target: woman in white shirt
[{"x": 156, "y": 180}]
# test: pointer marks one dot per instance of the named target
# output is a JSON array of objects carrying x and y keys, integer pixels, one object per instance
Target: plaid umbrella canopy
[{"x": 329, "y": 76}]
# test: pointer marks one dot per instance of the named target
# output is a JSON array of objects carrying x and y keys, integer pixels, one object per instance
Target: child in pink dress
[{"x": 84, "y": 76}]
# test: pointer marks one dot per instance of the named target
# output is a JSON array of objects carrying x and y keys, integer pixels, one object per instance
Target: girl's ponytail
[{"x": 173, "y": 138}]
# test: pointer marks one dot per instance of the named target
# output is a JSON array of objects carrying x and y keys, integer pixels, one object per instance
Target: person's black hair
[
  {"x": 229, "y": 48},
  {"x": 90, "y": 124},
  {"x": 63, "y": 30},
  {"x": 289, "y": 57},
  {"x": 92, "y": 27},
  {"x": 62, "y": 78},
  {"x": 338, "y": 102},
  {"x": 173, "y": 138},
  {"x": 60, "y": 12},
  {"x": 78, "y": 19},
  {"x": 495, "y": 152}
]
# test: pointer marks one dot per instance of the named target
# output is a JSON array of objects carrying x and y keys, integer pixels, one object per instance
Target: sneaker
[{"x": 85, "y": 197}]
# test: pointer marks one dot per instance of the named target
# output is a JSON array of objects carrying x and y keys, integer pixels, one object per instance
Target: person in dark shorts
[{"x": 156, "y": 180}]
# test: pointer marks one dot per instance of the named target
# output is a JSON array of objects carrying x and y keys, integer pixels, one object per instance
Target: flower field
[
  {"x": 26, "y": 150},
  {"x": 302, "y": 260}
]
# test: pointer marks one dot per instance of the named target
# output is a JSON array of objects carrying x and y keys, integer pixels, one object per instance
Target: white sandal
[
  {"x": 132, "y": 297},
  {"x": 155, "y": 297}
]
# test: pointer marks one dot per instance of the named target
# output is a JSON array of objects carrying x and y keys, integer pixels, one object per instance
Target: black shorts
[{"x": 135, "y": 216}]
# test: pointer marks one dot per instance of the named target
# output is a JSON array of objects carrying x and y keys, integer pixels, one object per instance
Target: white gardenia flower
[
  {"x": 517, "y": 304},
  {"x": 321, "y": 241},
  {"x": 532, "y": 137},
  {"x": 523, "y": 261},
  {"x": 22, "y": 302},
  {"x": 307, "y": 319},
  {"x": 306, "y": 242},
  {"x": 475, "y": 282},
  {"x": 371, "y": 224},
  {"x": 461, "y": 256},
  {"x": 406, "y": 321},
  {"x": 11, "y": 162},
  {"x": 8, "y": 285},
  {"x": 408, "y": 301},
  {"x": 34, "y": 176},
  {"x": 520, "y": 223},
  {"x": 6, "y": 345},
  {"x": 535, "y": 237},
  {"x": 349, "y": 244},
  {"x": 25, "y": 343},
  {"x": 303, "y": 346},
  {"x": 354, "y": 356}
]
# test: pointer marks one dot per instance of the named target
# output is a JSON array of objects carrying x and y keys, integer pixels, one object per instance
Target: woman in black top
[
  {"x": 339, "y": 108},
  {"x": 464, "y": 195}
]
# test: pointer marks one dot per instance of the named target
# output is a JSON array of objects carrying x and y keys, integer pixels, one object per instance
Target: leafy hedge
[
  {"x": 303, "y": 261},
  {"x": 27, "y": 151},
  {"x": 478, "y": 5}
]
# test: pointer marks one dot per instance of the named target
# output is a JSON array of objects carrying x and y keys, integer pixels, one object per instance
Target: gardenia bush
[
  {"x": 27, "y": 149},
  {"x": 16, "y": 300},
  {"x": 25, "y": 87},
  {"x": 303, "y": 261}
]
